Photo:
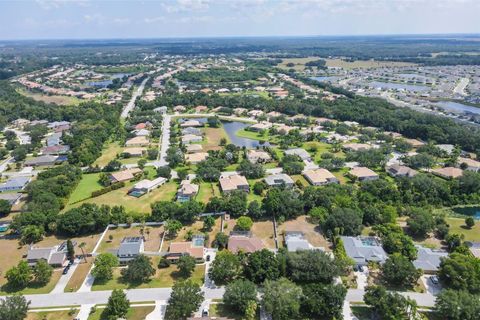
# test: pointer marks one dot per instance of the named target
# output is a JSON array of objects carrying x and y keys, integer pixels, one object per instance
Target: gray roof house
[
  {"x": 295, "y": 240},
  {"x": 427, "y": 259},
  {"x": 130, "y": 247},
  {"x": 364, "y": 249},
  {"x": 12, "y": 198},
  {"x": 54, "y": 256},
  {"x": 279, "y": 179},
  {"x": 46, "y": 160},
  {"x": 191, "y": 130},
  {"x": 14, "y": 184},
  {"x": 54, "y": 139},
  {"x": 302, "y": 153}
]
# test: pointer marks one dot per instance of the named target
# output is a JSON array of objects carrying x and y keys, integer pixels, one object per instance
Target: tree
[
  {"x": 283, "y": 203},
  {"x": 262, "y": 265},
  {"x": 32, "y": 234},
  {"x": 251, "y": 311},
  {"x": 221, "y": 241},
  {"x": 139, "y": 270},
  {"x": 185, "y": 299},
  {"x": 225, "y": 268},
  {"x": 420, "y": 222},
  {"x": 239, "y": 294},
  {"x": 398, "y": 270},
  {"x": 214, "y": 122},
  {"x": 457, "y": 305},
  {"x": 186, "y": 265},
  {"x": 152, "y": 154},
  {"x": 81, "y": 246},
  {"x": 307, "y": 266},
  {"x": 208, "y": 223},
  {"x": 103, "y": 266},
  {"x": 19, "y": 276},
  {"x": 5, "y": 207},
  {"x": 14, "y": 308},
  {"x": 141, "y": 163},
  {"x": 347, "y": 221},
  {"x": 117, "y": 306},
  {"x": 460, "y": 272},
  {"x": 244, "y": 223},
  {"x": 70, "y": 251},
  {"x": 281, "y": 299},
  {"x": 254, "y": 210},
  {"x": 42, "y": 272},
  {"x": 395, "y": 241},
  {"x": 470, "y": 222},
  {"x": 164, "y": 172},
  {"x": 19, "y": 154},
  {"x": 173, "y": 226},
  {"x": 389, "y": 305},
  {"x": 323, "y": 301},
  {"x": 104, "y": 179},
  {"x": 251, "y": 170}
]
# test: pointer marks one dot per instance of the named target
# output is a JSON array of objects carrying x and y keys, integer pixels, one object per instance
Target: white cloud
[{"x": 186, "y": 5}]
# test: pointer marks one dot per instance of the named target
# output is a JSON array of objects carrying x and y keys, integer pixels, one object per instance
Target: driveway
[
  {"x": 432, "y": 288},
  {"x": 159, "y": 312},
  {"x": 362, "y": 278},
  {"x": 62, "y": 282}
]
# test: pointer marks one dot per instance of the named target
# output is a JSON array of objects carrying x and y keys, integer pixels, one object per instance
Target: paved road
[
  {"x": 165, "y": 141},
  {"x": 131, "y": 104},
  {"x": 4, "y": 164},
  {"x": 422, "y": 299},
  {"x": 461, "y": 86}
]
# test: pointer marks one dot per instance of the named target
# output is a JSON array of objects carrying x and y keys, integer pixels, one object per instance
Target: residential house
[
  {"x": 145, "y": 186},
  {"x": 55, "y": 150},
  {"x": 14, "y": 184},
  {"x": 258, "y": 156},
  {"x": 428, "y": 259},
  {"x": 141, "y": 133},
  {"x": 54, "y": 139},
  {"x": 319, "y": 177},
  {"x": 193, "y": 148},
  {"x": 255, "y": 113},
  {"x": 179, "y": 108},
  {"x": 260, "y": 126},
  {"x": 134, "y": 152},
  {"x": 55, "y": 256},
  {"x": 200, "y": 109},
  {"x": 448, "y": 172},
  {"x": 45, "y": 160},
  {"x": 447, "y": 148},
  {"x": 125, "y": 175},
  {"x": 195, "y": 158},
  {"x": 280, "y": 179},
  {"x": 296, "y": 240},
  {"x": 239, "y": 111},
  {"x": 356, "y": 146},
  {"x": 234, "y": 182},
  {"x": 129, "y": 249},
  {"x": 12, "y": 198},
  {"x": 191, "y": 123},
  {"x": 397, "y": 170},
  {"x": 469, "y": 164},
  {"x": 187, "y": 191},
  {"x": 190, "y": 138},
  {"x": 302, "y": 153},
  {"x": 162, "y": 109},
  {"x": 192, "y": 248},
  {"x": 141, "y": 141},
  {"x": 363, "y": 174},
  {"x": 192, "y": 130},
  {"x": 415, "y": 143},
  {"x": 474, "y": 248},
  {"x": 244, "y": 242},
  {"x": 364, "y": 250}
]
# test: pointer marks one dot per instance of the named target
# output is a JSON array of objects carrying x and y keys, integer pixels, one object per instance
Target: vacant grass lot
[
  {"x": 85, "y": 187},
  {"x": 163, "y": 278},
  {"x": 60, "y": 100},
  {"x": 140, "y": 205},
  {"x": 213, "y": 137},
  {"x": 207, "y": 190},
  {"x": 339, "y": 63},
  {"x": 220, "y": 310},
  {"x": 136, "y": 313},
  {"x": 299, "y": 63},
  {"x": 109, "y": 153},
  {"x": 51, "y": 315},
  {"x": 264, "y": 231},
  {"x": 457, "y": 225},
  {"x": 312, "y": 231}
]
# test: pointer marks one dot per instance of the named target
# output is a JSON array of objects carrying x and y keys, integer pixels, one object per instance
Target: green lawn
[
  {"x": 164, "y": 278},
  {"x": 84, "y": 189},
  {"x": 457, "y": 225},
  {"x": 51, "y": 315},
  {"x": 254, "y": 135},
  {"x": 34, "y": 289},
  {"x": 220, "y": 310},
  {"x": 136, "y": 313},
  {"x": 207, "y": 190},
  {"x": 109, "y": 153}
]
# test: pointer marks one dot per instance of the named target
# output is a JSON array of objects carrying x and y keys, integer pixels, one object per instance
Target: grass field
[
  {"x": 79, "y": 276},
  {"x": 457, "y": 225},
  {"x": 264, "y": 231},
  {"x": 163, "y": 278},
  {"x": 213, "y": 137},
  {"x": 220, "y": 310},
  {"x": 312, "y": 231},
  {"x": 140, "y": 205},
  {"x": 207, "y": 190},
  {"x": 339, "y": 63},
  {"x": 51, "y": 315},
  {"x": 109, "y": 153},
  {"x": 86, "y": 186},
  {"x": 60, "y": 100},
  {"x": 255, "y": 135},
  {"x": 136, "y": 313},
  {"x": 299, "y": 63}
]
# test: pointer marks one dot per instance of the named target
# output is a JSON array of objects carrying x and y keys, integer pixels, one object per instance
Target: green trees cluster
[{"x": 22, "y": 275}]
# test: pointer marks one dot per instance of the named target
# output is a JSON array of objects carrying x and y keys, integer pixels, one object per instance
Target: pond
[
  {"x": 106, "y": 83},
  {"x": 399, "y": 86},
  {"x": 459, "y": 107},
  {"x": 469, "y": 211},
  {"x": 231, "y": 127}
]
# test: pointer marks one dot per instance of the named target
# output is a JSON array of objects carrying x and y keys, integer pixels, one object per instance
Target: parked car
[
  {"x": 434, "y": 279},
  {"x": 205, "y": 312},
  {"x": 65, "y": 270}
]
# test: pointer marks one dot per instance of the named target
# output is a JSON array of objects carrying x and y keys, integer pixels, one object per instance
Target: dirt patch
[
  {"x": 312, "y": 232},
  {"x": 152, "y": 237}
]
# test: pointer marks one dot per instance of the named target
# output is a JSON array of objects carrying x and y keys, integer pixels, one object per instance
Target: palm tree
[
  {"x": 148, "y": 233},
  {"x": 81, "y": 246}
]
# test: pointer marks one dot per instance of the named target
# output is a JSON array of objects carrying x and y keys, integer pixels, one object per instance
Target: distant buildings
[
  {"x": 41, "y": 161},
  {"x": 258, "y": 156},
  {"x": 301, "y": 153},
  {"x": 195, "y": 158},
  {"x": 470, "y": 164},
  {"x": 140, "y": 141}
]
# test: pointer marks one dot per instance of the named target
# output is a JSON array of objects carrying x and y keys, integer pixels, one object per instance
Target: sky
[{"x": 102, "y": 19}]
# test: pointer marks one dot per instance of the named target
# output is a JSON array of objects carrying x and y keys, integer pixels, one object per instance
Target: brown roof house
[
  {"x": 140, "y": 141},
  {"x": 192, "y": 248},
  {"x": 125, "y": 175},
  {"x": 244, "y": 242},
  {"x": 319, "y": 177},
  {"x": 469, "y": 164},
  {"x": 234, "y": 182},
  {"x": 397, "y": 170},
  {"x": 448, "y": 172},
  {"x": 195, "y": 158},
  {"x": 363, "y": 174},
  {"x": 187, "y": 191},
  {"x": 258, "y": 156}
]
